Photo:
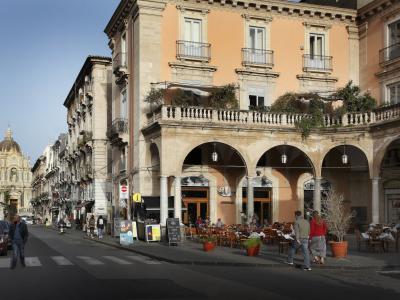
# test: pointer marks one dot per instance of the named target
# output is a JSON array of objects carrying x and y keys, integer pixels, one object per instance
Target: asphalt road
[{"x": 69, "y": 267}]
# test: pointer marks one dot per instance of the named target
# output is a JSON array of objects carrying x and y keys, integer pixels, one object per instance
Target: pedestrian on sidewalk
[
  {"x": 19, "y": 235},
  {"x": 302, "y": 233},
  {"x": 92, "y": 225},
  {"x": 100, "y": 226},
  {"x": 318, "y": 230}
]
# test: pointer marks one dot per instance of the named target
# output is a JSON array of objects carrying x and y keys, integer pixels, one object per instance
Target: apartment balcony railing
[
  {"x": 317, "y": 63},
  {"x": 193, "y": 51},
  {"x": 259, "y": 57},
  {"x": 85, "y": 137},
  {"x": 389, "y": 53},
  {"x": 119, "y": 126},
  {"x": 120, "y": 63},
  {"x": 202, "y": 116}
]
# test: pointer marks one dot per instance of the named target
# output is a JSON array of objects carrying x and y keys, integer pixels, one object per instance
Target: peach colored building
[{"x": 221, "y": 163}]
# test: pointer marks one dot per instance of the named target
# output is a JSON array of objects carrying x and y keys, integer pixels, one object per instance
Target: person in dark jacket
[
  {"x": 19, "y": 236},
  {"x": 100, "y": 226}
]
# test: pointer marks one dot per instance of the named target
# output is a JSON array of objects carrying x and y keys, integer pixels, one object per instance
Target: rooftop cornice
[
  {"x": 374, "y": 8},
  {"x": 256, "y": 6},
  {"x": 90, "y": 61}
]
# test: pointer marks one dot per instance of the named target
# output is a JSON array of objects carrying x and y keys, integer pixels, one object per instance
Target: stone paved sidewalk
[{"x": 191, "y": 253}]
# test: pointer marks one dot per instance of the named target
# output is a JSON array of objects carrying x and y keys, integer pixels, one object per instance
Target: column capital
[
  {"x": 375, "y": 178},
  {"x": 164, "y": 176}
]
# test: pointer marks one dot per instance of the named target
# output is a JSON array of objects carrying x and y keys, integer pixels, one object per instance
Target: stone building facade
[
  {"x": 15, "y": 178},
  {"x": 199, "y": 161},
  {"x": 85, "y": 156}
]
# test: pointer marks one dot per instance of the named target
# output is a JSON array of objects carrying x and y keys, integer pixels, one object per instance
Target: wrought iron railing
[
  {"x": 317, "y": 63},
  {"x": 389, "y": 53},
  {"x": 193, "y": 50},
  {"x": 251, "y": 56}
]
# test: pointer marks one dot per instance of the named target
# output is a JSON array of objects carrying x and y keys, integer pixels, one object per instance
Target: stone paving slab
[{"x": 191, "y": 253}]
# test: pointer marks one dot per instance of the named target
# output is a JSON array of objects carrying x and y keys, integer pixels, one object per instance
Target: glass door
[
  {"x": 317, "y": 51},
  {"x": 257, "y": 45},
  {"x": 193, "y": 38}
]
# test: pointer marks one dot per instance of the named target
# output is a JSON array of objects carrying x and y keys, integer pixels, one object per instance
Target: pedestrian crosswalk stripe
[
  {"x": 61, "y": 261},
  {"x": 118, "y": 260},
  {"x": 90, "y": 260},
  {"x": 32, "y": 262},
  {"x": 144, "y": 260}
]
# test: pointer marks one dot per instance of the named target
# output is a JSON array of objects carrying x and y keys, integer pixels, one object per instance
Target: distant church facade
[{"x": 15, "y": 179}]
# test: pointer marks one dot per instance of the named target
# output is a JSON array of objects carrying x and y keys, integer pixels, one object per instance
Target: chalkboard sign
[{"x": 173, "y": 230}]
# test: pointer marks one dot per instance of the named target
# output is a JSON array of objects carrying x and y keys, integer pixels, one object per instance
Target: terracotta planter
[
  {"x": 208, "y": 246},
  {"x": 253, "y": 251},
  {"x": 339, "y": 249}
]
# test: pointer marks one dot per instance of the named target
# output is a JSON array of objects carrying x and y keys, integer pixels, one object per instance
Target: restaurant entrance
[
  {"x": 262, "y": 204},
  {"x": 195, "y": 201}
]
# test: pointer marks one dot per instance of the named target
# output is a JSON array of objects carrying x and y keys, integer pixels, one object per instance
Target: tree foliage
[{"x": 224, "y": 97}]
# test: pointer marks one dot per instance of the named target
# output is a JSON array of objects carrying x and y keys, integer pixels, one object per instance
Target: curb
[{"x": 234, "y": 264}]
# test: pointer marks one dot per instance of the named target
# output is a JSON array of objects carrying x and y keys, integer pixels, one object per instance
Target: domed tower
[
  {"x": 15, "y": 177},
  {"x": 8, "y": 144}
]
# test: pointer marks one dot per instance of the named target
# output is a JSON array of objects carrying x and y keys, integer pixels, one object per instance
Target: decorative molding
[
  {"x": 201, "y": 10},
  {"x": 184, "y": 65},
  {"x": 353, "y": 32},
  {"x": 266, "y": 19},
  {"x": 316, "y": 77},
  {"x": 259, "y": 72},
  {"x": 325, "y": 26}
]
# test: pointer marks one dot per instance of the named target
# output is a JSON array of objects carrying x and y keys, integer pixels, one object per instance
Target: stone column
[
  {"x": 178, "y": 199},
  {"x": 163, "y": 199},
  {"x": 375, "y": 200},
  {"x": 317, "y": 194},
  {"x": 250, "y": 199}
]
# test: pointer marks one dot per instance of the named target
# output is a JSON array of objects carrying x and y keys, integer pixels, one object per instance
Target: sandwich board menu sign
[{"x": 173, "y": 230}]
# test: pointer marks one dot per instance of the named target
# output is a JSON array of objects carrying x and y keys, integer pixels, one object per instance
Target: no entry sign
[{"x": 123, "y": 191}]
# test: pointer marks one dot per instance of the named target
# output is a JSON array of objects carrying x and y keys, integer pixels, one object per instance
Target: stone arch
[
  {"x": 367, "y": 155},
  {"x": 380, "y": 154},
  {"x": 295, "y": 145},
  {"x": 190, "y": 148}
]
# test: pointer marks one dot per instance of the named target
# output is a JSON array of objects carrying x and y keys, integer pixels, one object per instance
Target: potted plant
[
  {"x": 338, "y": 220},
  {"x": 209, "y": 243},
  {"x": 253, "y": 244}
]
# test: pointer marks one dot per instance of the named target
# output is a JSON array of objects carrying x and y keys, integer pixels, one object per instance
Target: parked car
[
  {"x": 27, "y": 219},
  {"x": 5, "y": 242}
]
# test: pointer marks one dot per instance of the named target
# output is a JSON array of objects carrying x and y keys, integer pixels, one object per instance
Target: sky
[{"x": 44, "y": 44}]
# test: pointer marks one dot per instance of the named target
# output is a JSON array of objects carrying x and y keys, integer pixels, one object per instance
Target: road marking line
[
  {"x": 90, "y": 260},
  {"x": 118, "y": 260},
  {"x": 32, "y": 262},
  {"x": 144, "y": 260},
  {"x": 61, "y": 261},
  {"x": 5, "y": 262},
  {"x": 389, "y": 272}
]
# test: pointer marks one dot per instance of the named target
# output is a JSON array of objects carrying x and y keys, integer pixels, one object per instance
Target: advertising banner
[
  {"x": 153, "y": 233},
  {"x": 126, "y": 233}
]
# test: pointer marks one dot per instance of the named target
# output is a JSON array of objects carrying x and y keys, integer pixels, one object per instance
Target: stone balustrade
[{"x": 204, "y": 115}]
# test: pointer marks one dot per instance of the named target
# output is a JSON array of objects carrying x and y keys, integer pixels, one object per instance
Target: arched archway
[
  {"x": 389, "y": 174},
  {"x": 221, "y": 162},
  {"x": 346, "y": 167},
  {"x": 287, "y": 164}
]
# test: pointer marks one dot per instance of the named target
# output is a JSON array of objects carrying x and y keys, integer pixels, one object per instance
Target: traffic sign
[
  {"x": 123, "y": 191},
  {"x": 137, "y": 197}
]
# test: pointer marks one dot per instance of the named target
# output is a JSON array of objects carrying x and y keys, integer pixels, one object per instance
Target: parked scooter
[{"x": 61, "y": 226}]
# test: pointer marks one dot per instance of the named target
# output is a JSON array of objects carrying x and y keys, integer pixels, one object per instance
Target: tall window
[
  {"x": 394, "y": 39},
  {"x": 317, "y": 51},
  {"x": 256, "y": 43},
  {"x": 193, "y": 37},
  {"x": 123, "y": 50},
  {"x": 124, "y": 106},
  {"x": 256, "y": 97},
  {"x": 394, "y": 93}
]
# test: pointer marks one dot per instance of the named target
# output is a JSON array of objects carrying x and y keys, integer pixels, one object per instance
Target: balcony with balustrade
[
  {"x": 389, "y": 55},
  {"x": 118, "y": 130},
  {"x": 317, "y": 63},
  {"x": 247, "y": 119},
  {"x": 257, "y": 57},
  {"x": 120, "y": 68},
  {"x": 195, "y": 51}
]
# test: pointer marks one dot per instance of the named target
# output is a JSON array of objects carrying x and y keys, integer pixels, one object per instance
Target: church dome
[{"x": 8, "y": 144}]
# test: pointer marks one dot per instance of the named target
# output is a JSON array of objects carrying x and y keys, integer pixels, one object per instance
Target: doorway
[
  {"x": 195, "y": 201},
  {"x": 262, "y": 204}
]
